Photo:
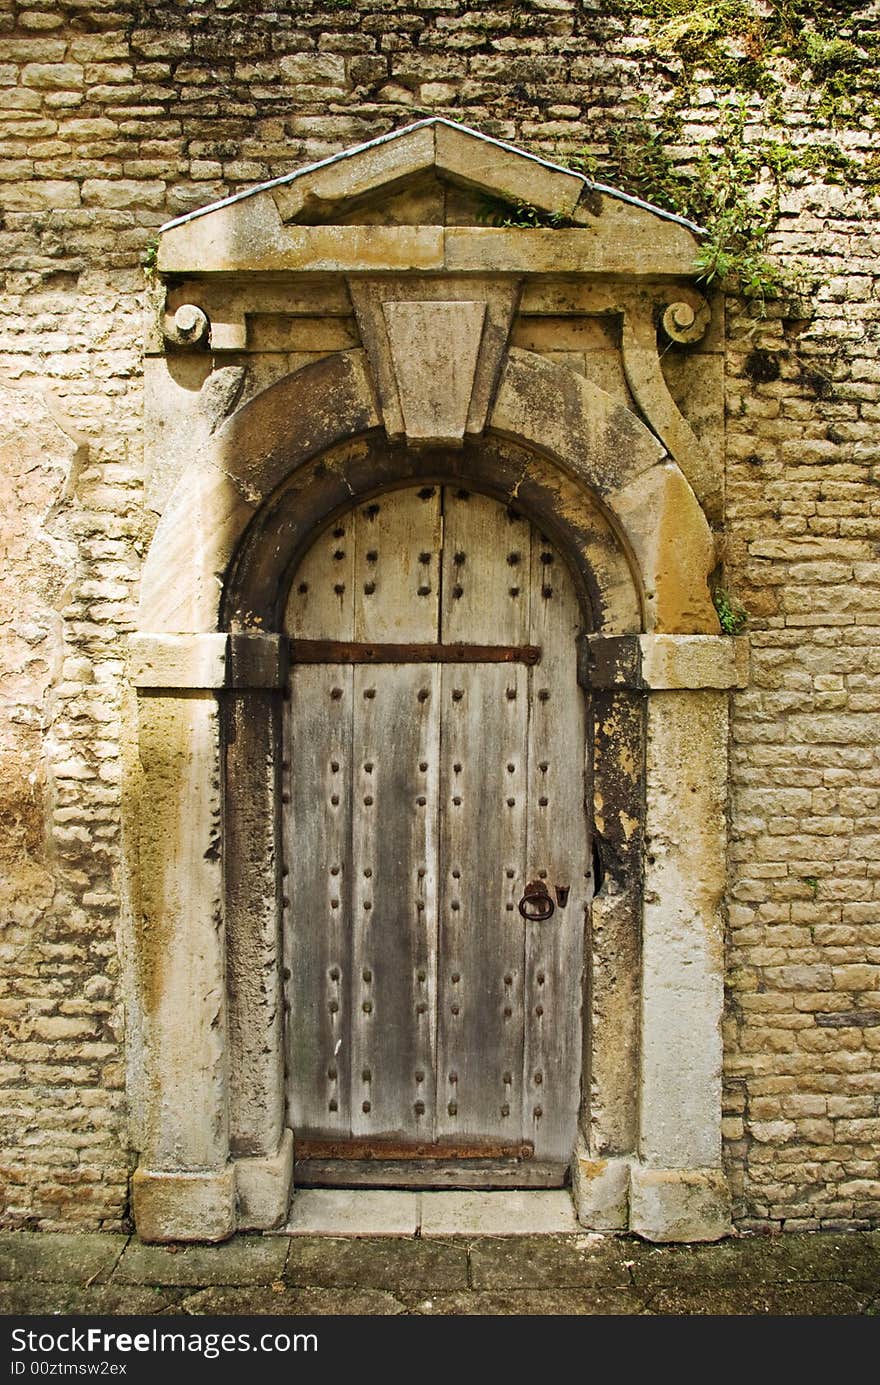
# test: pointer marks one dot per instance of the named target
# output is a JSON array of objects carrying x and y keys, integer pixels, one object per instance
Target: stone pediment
[{"x": 423, "y": 198}]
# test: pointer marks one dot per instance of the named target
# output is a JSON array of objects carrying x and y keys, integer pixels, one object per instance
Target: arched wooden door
[{"x": 435, "y": 780}]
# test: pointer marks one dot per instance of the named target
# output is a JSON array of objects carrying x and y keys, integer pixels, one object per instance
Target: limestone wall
[{"x": 118, "y": 116}]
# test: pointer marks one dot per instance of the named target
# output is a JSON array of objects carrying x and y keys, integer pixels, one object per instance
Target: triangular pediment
[{"x": 431, "y": 175}]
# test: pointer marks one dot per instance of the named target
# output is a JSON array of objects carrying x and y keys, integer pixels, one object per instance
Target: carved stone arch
[
  {"x": 599, "y": 443},
  {"x": 431, "y": 364}
]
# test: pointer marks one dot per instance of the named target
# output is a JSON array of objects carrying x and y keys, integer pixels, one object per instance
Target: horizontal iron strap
[
  {"x": 358, "y": 652},
  {"x": 400, "y": 1149}
]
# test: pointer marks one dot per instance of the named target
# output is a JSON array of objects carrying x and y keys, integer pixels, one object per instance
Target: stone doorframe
[{"x": 435, "y": 391}]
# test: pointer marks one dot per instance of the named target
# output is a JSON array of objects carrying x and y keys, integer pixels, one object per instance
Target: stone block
[
  {"x": 434, "y": 348},
  {"x": 600, "y": 1189},
  {"x": 52, "y": 76},
  {"x": 679, "y": 1204},
  {"x": 264, "y": 1184},
  {"x": 184, "y": 1206},
  {"x": 178, "y": 661}
]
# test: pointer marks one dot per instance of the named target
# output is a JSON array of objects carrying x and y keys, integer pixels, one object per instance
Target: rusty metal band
[
  {"x": 347, "y": 652},
  {"x": 396, "y": 1149}
]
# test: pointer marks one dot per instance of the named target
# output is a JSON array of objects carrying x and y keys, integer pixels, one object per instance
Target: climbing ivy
[
  {"x": 747, "y": 51},
  {"x": 732, "y": 190}
]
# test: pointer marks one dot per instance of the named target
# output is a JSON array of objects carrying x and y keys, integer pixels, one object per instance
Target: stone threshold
[{"x": 383, "y": 1212}]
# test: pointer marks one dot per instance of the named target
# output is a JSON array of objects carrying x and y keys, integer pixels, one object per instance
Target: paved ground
[{"x": 552, "y": 1273}]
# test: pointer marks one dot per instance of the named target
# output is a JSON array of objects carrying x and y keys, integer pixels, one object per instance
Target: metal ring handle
[{"x": 536, "y": 904}]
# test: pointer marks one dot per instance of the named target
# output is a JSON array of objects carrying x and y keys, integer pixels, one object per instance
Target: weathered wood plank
[
  {"x": 485, "y": 571},
  {"x": 457, "y": 1021},
  {"x": 394, "y": 924},
  {"x": 482, "y": 835},
  {"x": 396, "y": 579},
  {"x": 317, "y": 903},
  {"x": 395, "y": 1150},
  {"x": 321, "y": 600},
  {"x": 429, "y": 1173},
  {"x": 559, "y": 853},
  {"x": 316, "y": 787}
]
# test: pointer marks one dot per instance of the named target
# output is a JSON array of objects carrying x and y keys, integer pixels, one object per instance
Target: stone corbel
[
  {"x": 684, "y": 321},
  {"x": 189, "y": 326},
  {"x": 436, "y": 348}
]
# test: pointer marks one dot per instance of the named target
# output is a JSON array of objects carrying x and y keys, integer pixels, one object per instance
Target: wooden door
[{"x": 434, "y": 768}]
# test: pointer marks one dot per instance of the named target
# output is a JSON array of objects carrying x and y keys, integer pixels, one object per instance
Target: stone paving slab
[
  {"x": 538, "y": 1302},
  {"x": 48, "y": 1298},
  {"x": 806, "y": 1257},
  {"x": 549, "y": 1263},
  {"x": 243, "y": 1260},
  {"x": 583, "y": 1274},
  {"x": 352, "y": 1212},
  {"x": 506, "y": 1213},
  {"x": 776, "y": 1300},
  {"x": 58, "y": 1256},
  {"x": 293, "y": 1302},
  {"x": 411, "y": 1266}
]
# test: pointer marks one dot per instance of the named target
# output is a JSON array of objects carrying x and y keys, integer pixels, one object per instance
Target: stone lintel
[
  {"x": 679, "y": 1204},
  {"x": 188, "y": 662},
  {"x": 646, "y": 663},
  {"x": 192, "y": 249},
  {"x": 184, "y": 1206},
  {"x": 264, "y": 1185}
]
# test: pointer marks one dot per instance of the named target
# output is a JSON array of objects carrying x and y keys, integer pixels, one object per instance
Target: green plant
[
  {"x": 150, "y": 260},
  {"x": 732, "y": 615},
  {"x": 813, "y": 883},
  {"x": 731, "y": 190},
  {"x": 495, "y": 211}
]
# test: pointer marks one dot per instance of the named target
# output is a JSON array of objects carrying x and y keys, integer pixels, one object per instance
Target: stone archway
[
  {"x": 215, "y": 1077},
  {"x": 209, "y": 666}
]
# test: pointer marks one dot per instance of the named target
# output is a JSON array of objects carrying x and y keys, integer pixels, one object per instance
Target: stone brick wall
[{"x": 118, "y": 115}]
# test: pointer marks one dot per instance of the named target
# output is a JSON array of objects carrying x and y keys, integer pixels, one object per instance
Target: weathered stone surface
[
  {"x": 666, "y": 662},
  {"x": 182, "y": 1206},
  {"x": 673, "y": 547},
  {"x": 641, "y": 364},
  {"x": 280, "y": 1302},
  {"x": 77, "y": 1258},
  {"x": 178, "y": 661},
  {"x": 802, "y": 403},
  {"x": 244, "y": 1260},
  {"x": 504, "y": 173},
  {"x": 683, "y": 940},
  {"x": 23, "y": 1299},
  {"x": 179, "y": 978},
  {"x": 370, "y": 297},
  {"x": 679, "y": 1204},
  {"x": 536, "y": 1302},
  {"x": 600, "y": 1189},
  {"x": 329, "y": 188},
  {"x": 434, "y": 348},
  {"x": 409, "y": 1267},
  {"x": 595, "y": 1262},
  {"x": 263, "y": 1185}
]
